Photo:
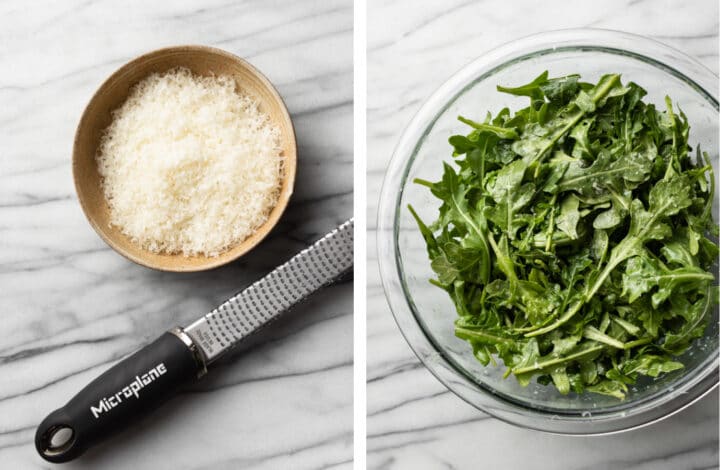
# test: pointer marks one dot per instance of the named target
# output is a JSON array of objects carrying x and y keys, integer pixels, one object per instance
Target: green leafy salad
[{"x": 573, "y": 236}]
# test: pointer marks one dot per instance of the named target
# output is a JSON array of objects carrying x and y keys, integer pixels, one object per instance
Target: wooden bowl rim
[{"x": 234, "y": 252}]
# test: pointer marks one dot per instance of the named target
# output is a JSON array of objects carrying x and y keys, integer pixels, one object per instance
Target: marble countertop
[
  {"x": 71, "y": 306},
  {"x": 414, "y": 422}
]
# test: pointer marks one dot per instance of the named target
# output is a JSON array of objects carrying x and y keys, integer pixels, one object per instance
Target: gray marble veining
[
  {"x": 414, "y": 422},
  {"x": 71, "y": 306}
]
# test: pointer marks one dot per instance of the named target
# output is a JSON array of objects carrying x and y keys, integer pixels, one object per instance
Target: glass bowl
[{"x": 425, "y": 313}]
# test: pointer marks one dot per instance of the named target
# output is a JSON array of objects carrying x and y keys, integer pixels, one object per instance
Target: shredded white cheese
[{"x": 189, "y": 164}]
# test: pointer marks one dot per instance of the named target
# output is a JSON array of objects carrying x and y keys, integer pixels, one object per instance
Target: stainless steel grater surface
[{"x": 309, "y": 270}]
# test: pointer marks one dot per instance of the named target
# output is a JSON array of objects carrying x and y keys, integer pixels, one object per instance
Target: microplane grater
[{"x": 143, "y": 381}]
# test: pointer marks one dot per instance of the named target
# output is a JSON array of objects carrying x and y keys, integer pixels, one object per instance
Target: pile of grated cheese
[{"x": 189, "y": 164}]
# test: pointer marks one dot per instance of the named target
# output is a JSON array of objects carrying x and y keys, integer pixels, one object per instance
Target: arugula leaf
[
  {"x": 606, "y": 174},
  {"x": 561, "y": 89},
  {"x": 509, "y": 196},
  {"x": 575, "y": 236},
  {"x": 502, "y": 132},
  {"x": 642, "y": 274},
  {"x": 532, "y": 89},
  {"x": 650, "y": 365},
  {"x": 613, "y": 388},
  {"x": 569, "y": 216}
]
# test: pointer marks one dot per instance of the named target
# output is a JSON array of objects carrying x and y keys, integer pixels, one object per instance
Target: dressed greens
[{"x": 574, "y": 235}]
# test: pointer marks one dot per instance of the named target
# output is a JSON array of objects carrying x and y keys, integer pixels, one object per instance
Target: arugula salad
[{"x": 575, "y": 236}]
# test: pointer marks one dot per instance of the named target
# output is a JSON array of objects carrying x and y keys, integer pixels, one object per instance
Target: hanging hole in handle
[{"x": 58, "y": 439}]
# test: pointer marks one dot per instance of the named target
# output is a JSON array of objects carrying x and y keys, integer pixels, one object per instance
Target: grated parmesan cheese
[{"x": 189, "y": 164}]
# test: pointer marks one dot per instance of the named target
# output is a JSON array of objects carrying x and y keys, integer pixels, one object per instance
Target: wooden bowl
[{"x": 111, "y": 95}]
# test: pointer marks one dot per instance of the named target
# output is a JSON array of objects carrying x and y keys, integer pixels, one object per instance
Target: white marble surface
[
  {"x": 70, "y": 306},
  {"x": 413, "y": 421}
]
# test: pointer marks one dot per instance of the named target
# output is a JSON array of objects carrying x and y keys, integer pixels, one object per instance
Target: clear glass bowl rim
[{"x": 672, "y": 61}]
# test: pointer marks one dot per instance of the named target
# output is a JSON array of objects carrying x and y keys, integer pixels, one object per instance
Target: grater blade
[{"x": 266, "y": 299}]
